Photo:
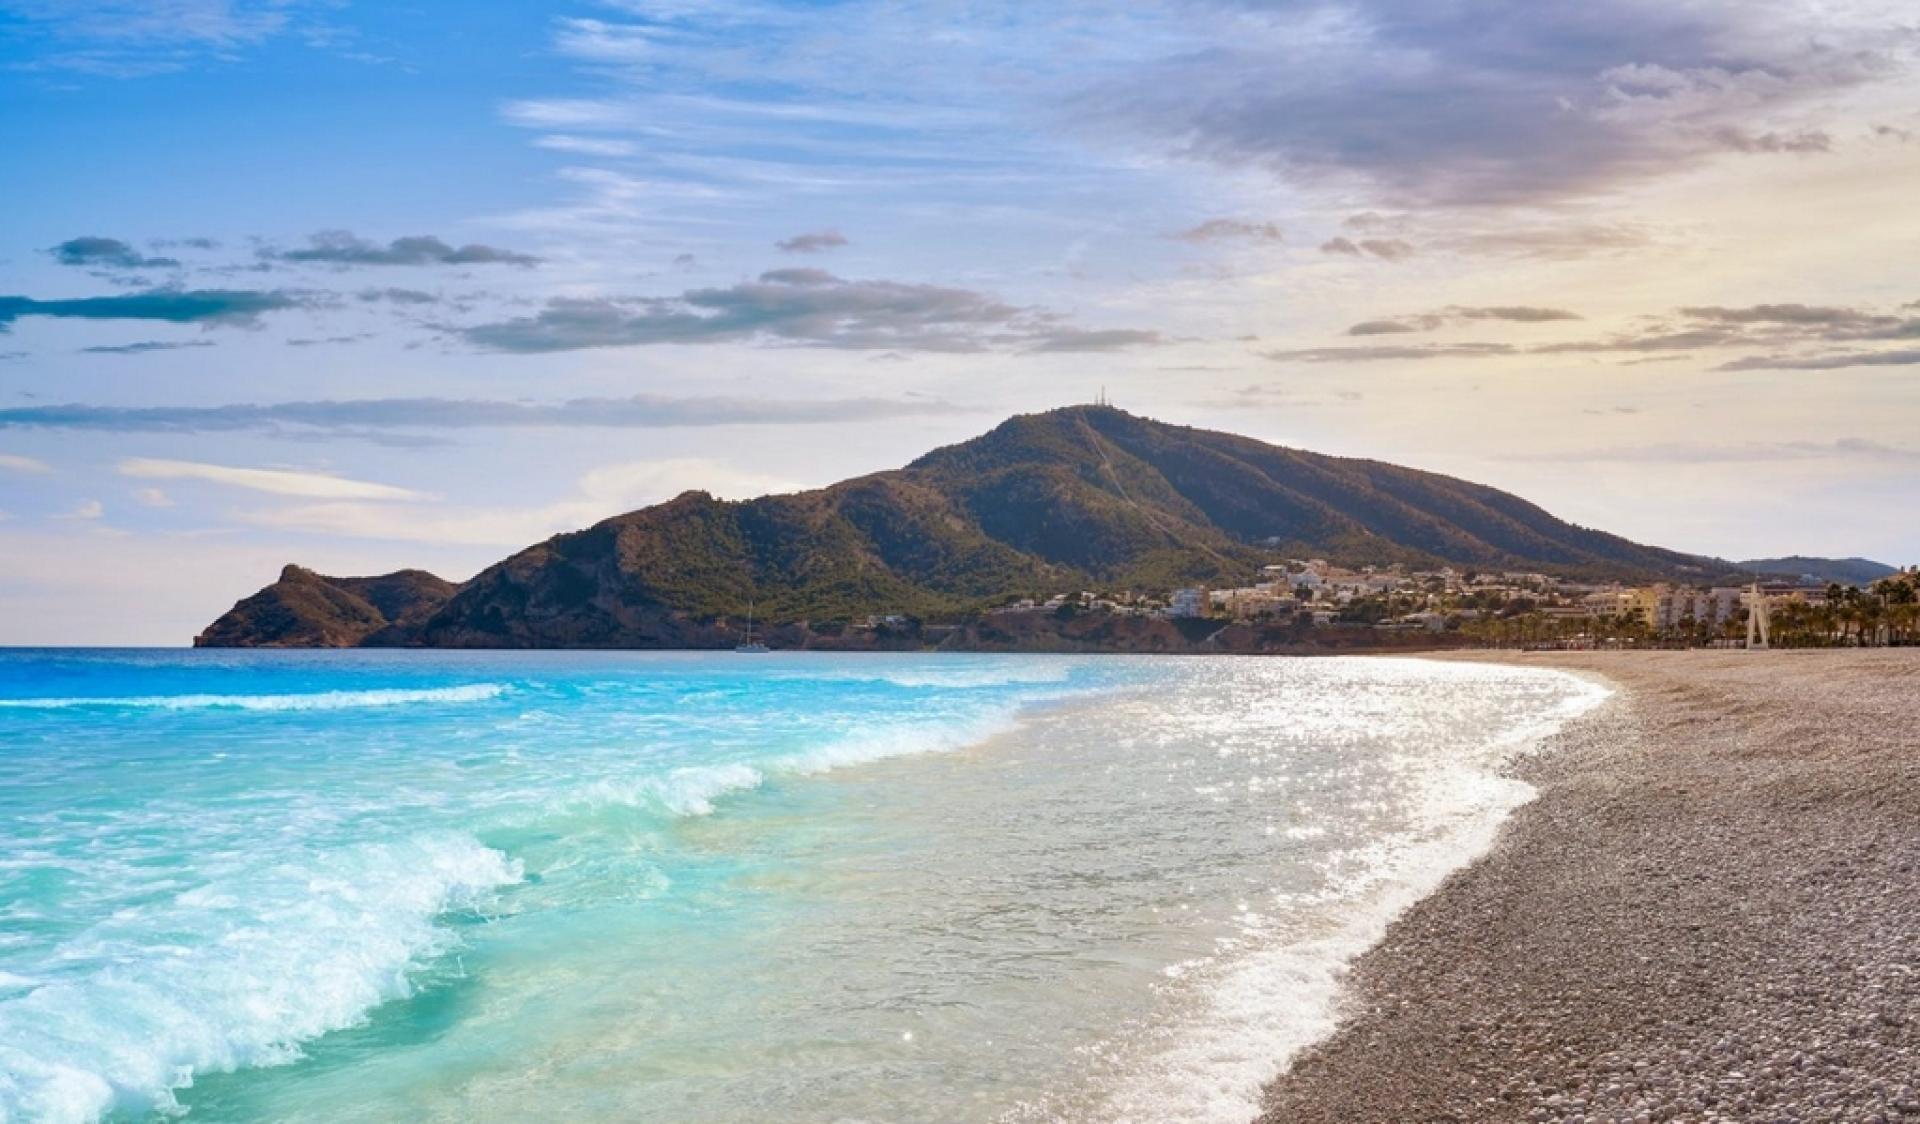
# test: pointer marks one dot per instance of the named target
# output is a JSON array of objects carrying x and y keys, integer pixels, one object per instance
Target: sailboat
[{"x": 750, "y": 645}]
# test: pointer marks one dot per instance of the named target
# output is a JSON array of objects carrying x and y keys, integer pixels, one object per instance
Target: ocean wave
[
  {"x": 901, "y": 740},
  {"x": 235, "y": 974},
  {"x": 317, "y": 700},
  {"x": 688, "y": 791}
]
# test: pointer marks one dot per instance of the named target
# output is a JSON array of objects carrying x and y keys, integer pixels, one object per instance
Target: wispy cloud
[
  {"x": 1830, "y": 361},
  {"x": 353, "y": 417},
  {"x": 30, "y": 466},
  {"x": 1231, "y": 230},
  {"x": 1430, "y": 321},
  {"x": 1845, "y": 448},
  {"x": 1379, "y": 352},
  {"x": 1386, "y": 249},
  {"x": 142, "y": 347},
  {"x": 598, "y": 494},
  {"x": 277, "y": 481}
]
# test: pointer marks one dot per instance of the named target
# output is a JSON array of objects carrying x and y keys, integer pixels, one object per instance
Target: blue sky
[{"x": 365, "y": 286}]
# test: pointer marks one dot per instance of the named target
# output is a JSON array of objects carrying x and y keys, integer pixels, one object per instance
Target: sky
[{"x": 365, "y": 286}]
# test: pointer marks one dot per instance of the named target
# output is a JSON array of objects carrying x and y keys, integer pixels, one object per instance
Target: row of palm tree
[{"x": 1886, "y": 613}]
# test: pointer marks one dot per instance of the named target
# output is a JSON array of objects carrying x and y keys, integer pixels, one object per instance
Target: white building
[{"x": 1190, "y": 602}]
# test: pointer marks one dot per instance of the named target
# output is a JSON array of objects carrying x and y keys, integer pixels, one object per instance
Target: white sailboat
[{"x": 750, "y": 645}]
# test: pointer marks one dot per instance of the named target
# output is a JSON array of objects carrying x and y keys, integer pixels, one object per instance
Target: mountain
[
  {"x": 308, "y": 610},
  {"x": 1086, "y": 495},
  {"x": 1846, "y": 571}
]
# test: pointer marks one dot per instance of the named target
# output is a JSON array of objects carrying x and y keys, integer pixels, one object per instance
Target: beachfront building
[{"x": 1190, "y": 602}]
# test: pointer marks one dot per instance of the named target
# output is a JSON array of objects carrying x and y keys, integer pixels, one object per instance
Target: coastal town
[{"x": 1523, "y": 608}]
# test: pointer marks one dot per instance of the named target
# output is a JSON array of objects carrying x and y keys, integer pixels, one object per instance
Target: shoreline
[{"x": 1711, "y": 911}]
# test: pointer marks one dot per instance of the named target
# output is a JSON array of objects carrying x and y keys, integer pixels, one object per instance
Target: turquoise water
[{"x": 342, "y": 886}]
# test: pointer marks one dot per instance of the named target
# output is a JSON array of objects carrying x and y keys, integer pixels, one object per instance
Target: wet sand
[{"x": 1711, "y": 913}]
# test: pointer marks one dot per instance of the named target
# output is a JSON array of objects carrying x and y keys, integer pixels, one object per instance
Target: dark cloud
[
  {"x": 144, "y": 346},
  {"x": 106, "y": 253},
  {"x": 176, "y": 306},
  {"x": 1388, "y": 249},
  {"x": 398, "y": 296},
  {"x": 1112, "y": 339},
  {"x": 1778, "y": 314},
  {"x": 366, "y": 416},
  {"x": 815, "y": 242},
  {"x": 1394, "y": 327},
  {"x": 1490, "y": 101},
  {"x": 341, "y": 247},
  {"x": 1905, "y": 357},
  {"x": 801, "y": 307},
  {"x": 1230, "y": 230},
  {"x": 1518, "y": 313}
]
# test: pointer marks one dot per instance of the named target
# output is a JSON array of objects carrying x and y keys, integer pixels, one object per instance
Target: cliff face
[
  {"x": 1042, "y": 503},
  {"x": 308, "y": 610}
]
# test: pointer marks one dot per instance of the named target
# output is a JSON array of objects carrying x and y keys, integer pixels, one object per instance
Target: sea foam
[
  {"x": 237, "y": 972},
  {"x": 316, "y": 700}
]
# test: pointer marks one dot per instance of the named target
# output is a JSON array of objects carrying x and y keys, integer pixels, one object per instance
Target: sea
[{"x": 350, "y": 886}]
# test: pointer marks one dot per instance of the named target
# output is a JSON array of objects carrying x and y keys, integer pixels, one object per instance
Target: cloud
[
  {"x": 343, "y": 248},
  {"x": 152, "y": 497},
  {"x": 605, "y": 491},
  {"x": 92, "y": 250},
  {"x": 585, "y": 146},
  {"x": 801, "y": 307},
  {"x": 1845, "y": 448},
  {"x": 1778, "y": 314},
  {"x": 144, "y": 346},
  {"x": 14, "y": 462},
  {"x": 397, "y": 296},
  {"x": 1905, "y": 357},
  {"x": 357, "y": 417},
  {"x": 1386, "y": 249},
  {"x": 1552, "y": 242},
  {"x": 1736, "y": 139},
  {"x": 1111, "y": 339},
  {"x": 1430, "y": 321},
  {"x": 139, "y": 38},
  {"x": 84, "y": 511},
  {"x": 1491, "y": 101},
  {"x": 1395, "y": 326},
  {"x": 278, "y": 481},
  {"x": 1375, "y": 353},
  {"x": 175, "y": 306},
  {"x": 1230, "y": 230},
  {"x": 816, "y": 242},
  {"x": 1779, "y": 326}
]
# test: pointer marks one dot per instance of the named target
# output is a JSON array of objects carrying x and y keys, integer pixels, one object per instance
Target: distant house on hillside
[{"x": 1190, "y": 602}]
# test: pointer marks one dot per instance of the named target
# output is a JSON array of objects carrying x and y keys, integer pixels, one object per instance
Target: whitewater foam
[
  {"x": 317, "y": 700},
  {"x": 1277, "y": 996},
  {"x": 235, "y": 973}
]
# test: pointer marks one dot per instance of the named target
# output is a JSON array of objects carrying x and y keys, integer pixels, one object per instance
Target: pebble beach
[{"x": 1711, "y": 912}]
